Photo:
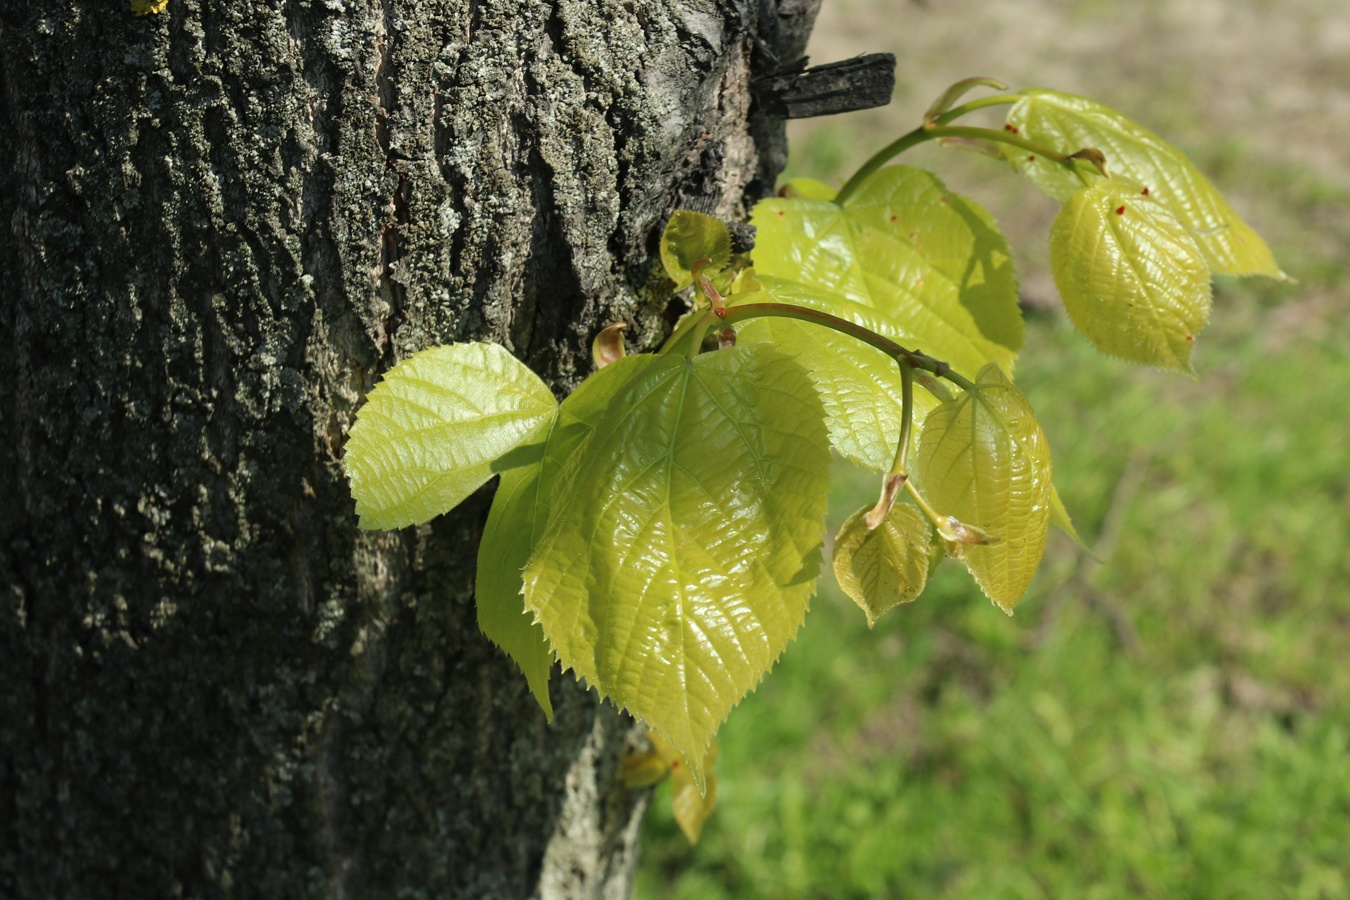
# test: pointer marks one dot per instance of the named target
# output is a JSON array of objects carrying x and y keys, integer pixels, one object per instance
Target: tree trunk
[{"x": 224, "y": 222}]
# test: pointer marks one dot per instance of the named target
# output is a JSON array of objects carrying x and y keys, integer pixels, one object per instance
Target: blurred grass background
[{"x": 1173, "y": 721}]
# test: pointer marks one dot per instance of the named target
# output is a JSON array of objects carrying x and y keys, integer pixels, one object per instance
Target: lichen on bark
[{"x": 226, "y": 221}]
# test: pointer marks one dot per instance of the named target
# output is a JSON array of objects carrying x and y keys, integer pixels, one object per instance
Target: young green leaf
[
  {"x": 882, "y": 568},
  {"x": 1131, "y": 277},
  {"x": 1068, "y": 123},
  {"x": 431, "y": 430},
  {"x": 520, "y": 511},
  {"x": 984, "y": 461},
  {"x": 859, "y": 386},
  {"x": 927, "y": 260},
  {"x": 1060, "y": 518},
  {"x": 691, "y": 802},
  {"x": 957, "y": 235},
  {"x": 684, "y": 539},
  {"x": 646, "y": 768},
  {"x": 689, "y": 237},
  {"x": 809, "y": 188}
]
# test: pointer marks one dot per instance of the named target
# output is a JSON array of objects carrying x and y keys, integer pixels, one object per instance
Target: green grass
[{"x": 1173, "y": 722}]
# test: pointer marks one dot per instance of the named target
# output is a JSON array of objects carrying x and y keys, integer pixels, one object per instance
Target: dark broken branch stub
[{"x": 801, "y": 92}]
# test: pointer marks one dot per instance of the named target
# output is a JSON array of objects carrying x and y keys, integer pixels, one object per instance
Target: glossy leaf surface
[
  {"x": 860, "y": 387},
  {"x": 1131, "y": 277},
  {"x": 928, "y": 261},
  {"x": 984, "y": 461},
  {"x": 685, "y": 536},
  {"x": 519, "y": 513},
  {"x": 881, "y": 568},
  {"x": 1068, "y": 123},
  {"x": 432, "y": 429}
]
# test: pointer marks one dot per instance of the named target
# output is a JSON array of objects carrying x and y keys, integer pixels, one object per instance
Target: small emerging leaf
[
  {"x": 650, "y": 767},
  {"x": 984, "y": 461},
  {"x": 431, "y": 431},
  {"x": 1067, "y": 123},
  {"x": 1132, "y": 279},
  {"x": 689, "y": 237},
  {"x": 608, "y": 345},
  {"x": 643, "y": 769},
  {"x": 882, "y": 568},
  {"x": 949, "y": 97},
  {"x": 684, "y": 539},
  {"x": 691, "y": 802}
]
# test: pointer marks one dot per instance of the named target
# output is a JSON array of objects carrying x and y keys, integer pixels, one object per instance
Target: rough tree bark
[{"x": 221, "y": 224}]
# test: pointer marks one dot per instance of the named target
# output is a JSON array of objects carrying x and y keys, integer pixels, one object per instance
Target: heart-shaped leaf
[
  {"x": 1131, "y": 277},
  {"x": 519, "y": 513},
  {"x": 883, "y": 567},
  {"x": 1067, "y": 123},
  {"x": 984, "y": 461},
  {"x": 432, "y": 429},
  {"x": 928, "y": 261},
  {"x": 684, "y": 540}
]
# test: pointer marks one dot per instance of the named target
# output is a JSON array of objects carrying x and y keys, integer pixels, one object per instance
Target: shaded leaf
[
  {"x": 519, "y": 513},
  {"x": 691, "y": 802},
  {"x": 859, "y": 386},
  {"x": 1067, "y": 123},
  {"x": 984, "y": 461},
  {"x": 684, "y": 540},
  {"x": 432, "y": 429},
  {"x": 1131, "y": 277},
  {"x": 649, "y": 767},
  {"x": 882, "y": 568},
  {"x": 689, "y": 237},
  {"x": 607, "y": 346}
]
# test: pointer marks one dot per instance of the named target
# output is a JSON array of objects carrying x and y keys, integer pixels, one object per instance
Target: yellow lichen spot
[{"x": 145, "y": 7}]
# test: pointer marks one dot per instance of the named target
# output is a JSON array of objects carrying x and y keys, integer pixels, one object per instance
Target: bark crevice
[{"x": 227, "y": 221}]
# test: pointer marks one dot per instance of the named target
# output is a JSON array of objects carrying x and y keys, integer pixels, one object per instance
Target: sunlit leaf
[
  {"x": 519, "y": 514},
  {"x": 929, "y": 262},
  {"x": 984, "y": 461},
  {"x": 684, "y": 540},
  {"x": 1131, "y": 277},
  {"x": 433, "y": 427},
  {"x": 859, "y": 385},
  {"x": 1067, "y": 123},
  {"x": 882, "y": 568},
  {"x": 689, "y": 237}
]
